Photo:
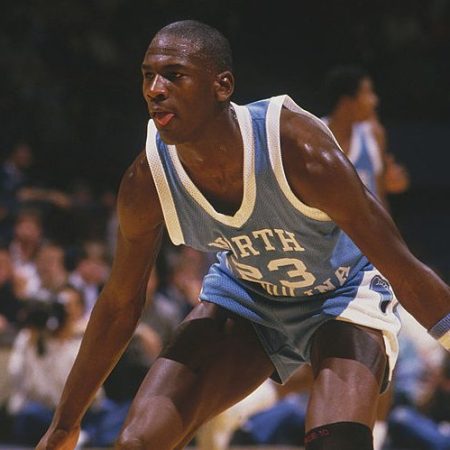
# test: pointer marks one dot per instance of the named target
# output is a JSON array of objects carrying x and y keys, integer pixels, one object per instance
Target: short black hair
[
  {"x": 343, "y": 81},
  {"x": 213, "y": 45}
]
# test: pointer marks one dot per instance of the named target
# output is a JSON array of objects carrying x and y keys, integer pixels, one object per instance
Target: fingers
[{"x": 59, "y": 440}]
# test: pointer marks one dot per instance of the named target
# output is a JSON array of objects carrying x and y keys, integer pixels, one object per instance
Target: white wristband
[{"x": 441, "y": 332}]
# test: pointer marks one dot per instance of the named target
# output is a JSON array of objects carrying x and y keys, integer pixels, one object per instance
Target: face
[
  {"x": 50, "y": 263},
  {"x": 73, "y": 304},
  {"x": 93, "y": 271},
  {"x": 28, "y": 229},
  {"x": 180, "y": 89},
  {"x": 365, "y": 100}
]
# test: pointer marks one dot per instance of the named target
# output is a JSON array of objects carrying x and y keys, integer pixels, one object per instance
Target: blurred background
[
  {"x": 71, "y": 82},
  {"x": 72, "y": 118}
]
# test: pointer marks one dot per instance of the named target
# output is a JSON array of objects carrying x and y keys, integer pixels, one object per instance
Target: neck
[{"x": 221, "y": 140}]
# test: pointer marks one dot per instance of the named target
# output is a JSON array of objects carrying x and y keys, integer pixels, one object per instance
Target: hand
[
  {"x": 396, "y": 177},
  {"x": 57, "y": 439}
]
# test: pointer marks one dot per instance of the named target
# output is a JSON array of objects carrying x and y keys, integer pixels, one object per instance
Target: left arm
[{"x": 323, "y": 178}]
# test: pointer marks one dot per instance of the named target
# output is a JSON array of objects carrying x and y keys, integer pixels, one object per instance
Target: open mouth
[{"x": 163, "y": 118}]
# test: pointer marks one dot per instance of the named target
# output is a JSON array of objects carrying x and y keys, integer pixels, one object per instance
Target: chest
[{"x": 222, "y": 187}]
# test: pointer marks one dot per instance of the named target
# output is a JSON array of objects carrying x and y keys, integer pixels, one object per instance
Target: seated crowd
[{"x": 50, "y": 277}]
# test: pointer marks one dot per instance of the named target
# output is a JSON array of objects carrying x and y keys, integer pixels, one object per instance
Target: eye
[
  {"x": 149, "y": 75},
  {"x": 173, "y": 76}
]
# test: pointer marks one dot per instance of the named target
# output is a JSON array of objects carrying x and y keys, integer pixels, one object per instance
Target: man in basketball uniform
[
  {"x": 267, "y": 186},
  {"x": 353, "y": 120}
]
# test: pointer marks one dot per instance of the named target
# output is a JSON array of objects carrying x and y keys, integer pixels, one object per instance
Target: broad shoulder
[
  {"x": 317, "y": 170},
  {"x": 138, "y": 206},
  {"x": 309, "y": 150}
]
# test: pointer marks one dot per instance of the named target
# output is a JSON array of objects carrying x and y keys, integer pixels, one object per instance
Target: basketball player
[
  {"x": 267, "y": 185},
  {"x": 354, "y": 122}
]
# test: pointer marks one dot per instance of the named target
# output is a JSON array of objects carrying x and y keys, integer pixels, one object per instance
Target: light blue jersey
[{"x": 281, "y": 264}]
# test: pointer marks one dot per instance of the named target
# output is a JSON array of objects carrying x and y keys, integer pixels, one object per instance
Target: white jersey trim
[
  {"x": 242, "y": 215},
  {"x": 162, "y": 186},
  {"x": 364, "y": 310},
  {"x": 274, "y": 146}
]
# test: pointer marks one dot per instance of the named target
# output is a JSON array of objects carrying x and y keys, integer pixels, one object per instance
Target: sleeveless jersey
[
  {"x": 274, "y": 244},
  {"x": 364, "y": 153}
]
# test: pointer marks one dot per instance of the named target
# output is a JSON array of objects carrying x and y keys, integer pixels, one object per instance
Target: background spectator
[
  {"x": 51, "y": 271},
  {"x": 90, "y": 272},
  {"x": 9, "y": 304},
  {"x": 49, "y": 194},
  {"x": 27, "y": 239},
  {"x": 42, "y": 355}
]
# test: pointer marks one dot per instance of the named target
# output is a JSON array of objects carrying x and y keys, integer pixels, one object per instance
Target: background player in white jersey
[
  {"x": 268, "y": 184},
  {"x": 353, "y": 119}
]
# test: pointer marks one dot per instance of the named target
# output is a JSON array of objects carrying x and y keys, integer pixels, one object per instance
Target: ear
[{"x": 224, "y": 86}]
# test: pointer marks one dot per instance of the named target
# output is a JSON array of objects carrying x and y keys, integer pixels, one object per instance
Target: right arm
[
  {"x": 119, "y": 306},
  {"x": 322, "y": 177}
]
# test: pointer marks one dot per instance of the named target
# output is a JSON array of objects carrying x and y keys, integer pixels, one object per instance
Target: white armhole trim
[
  {"x": 242, "y": 215},
  {"x": 274, "y": 146},
  {"x": 162, "y": 186},
  {"x": 444, "y": 340}
]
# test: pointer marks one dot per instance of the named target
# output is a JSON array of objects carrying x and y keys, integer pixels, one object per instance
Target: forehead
[{"x": 174, "y": 49}]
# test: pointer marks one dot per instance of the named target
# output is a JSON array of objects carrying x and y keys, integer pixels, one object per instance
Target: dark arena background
[{"x": 70, "y": 92}]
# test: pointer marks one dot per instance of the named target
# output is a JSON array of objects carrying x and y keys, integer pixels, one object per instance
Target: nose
[{"x": 156, "y": 89}]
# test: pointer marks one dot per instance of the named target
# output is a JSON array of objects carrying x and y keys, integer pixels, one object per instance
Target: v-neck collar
[{"x": 241, "y": 216}]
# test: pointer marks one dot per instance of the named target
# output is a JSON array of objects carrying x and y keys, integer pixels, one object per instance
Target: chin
[{"x": 169, "y": 139}]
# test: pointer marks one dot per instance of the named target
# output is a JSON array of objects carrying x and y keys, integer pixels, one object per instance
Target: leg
[
  {"x": 217, "y": 433},
  {"x": 383, "y": 409},
  {"x": 349, "y": 364},
  {"x": 214, "y": 361}
]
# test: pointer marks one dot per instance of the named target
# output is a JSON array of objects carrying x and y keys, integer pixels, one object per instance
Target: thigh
[
  {"x": 214, "y": 361},
  {"x": 349, "y": 366}
]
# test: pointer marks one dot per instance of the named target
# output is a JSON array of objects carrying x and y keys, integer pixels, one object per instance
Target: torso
[
  {"x": 261, "y": 222},
  {"x": 222, "y": 185}
]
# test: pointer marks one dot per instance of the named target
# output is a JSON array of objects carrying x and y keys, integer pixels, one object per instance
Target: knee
[
  {"x": 139, "y": 444},
  {"x": 137, "y": 441},
  {"x": 124, "y": 443}
]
